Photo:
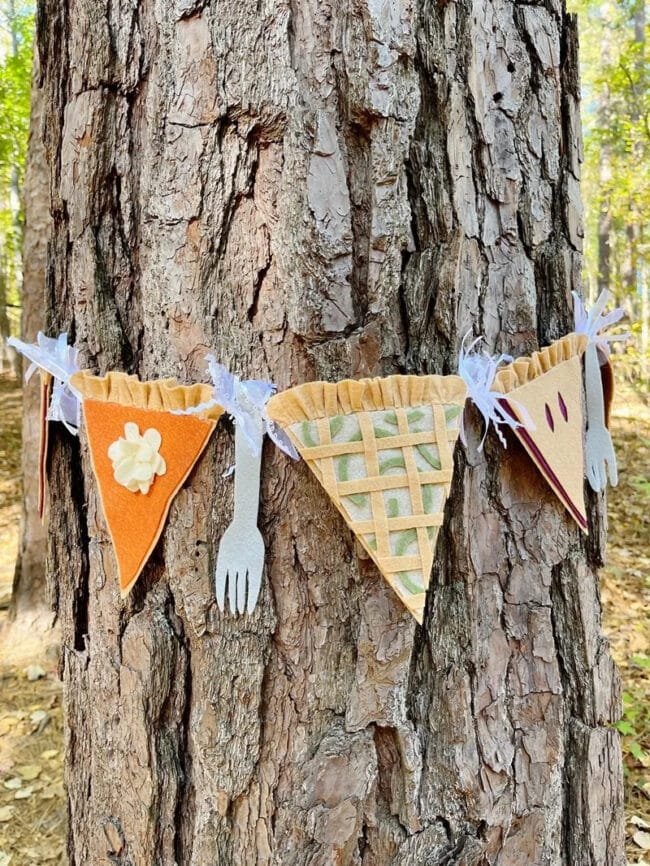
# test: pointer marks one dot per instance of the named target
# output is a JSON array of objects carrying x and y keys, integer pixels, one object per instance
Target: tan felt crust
[
  {"x": 327, "y": 399},
  {"x": 524, "y": 370},
  {"x": 163, "y": 395}
]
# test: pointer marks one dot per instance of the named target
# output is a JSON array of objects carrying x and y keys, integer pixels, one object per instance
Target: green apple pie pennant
[{"x": 383, "y": 451}]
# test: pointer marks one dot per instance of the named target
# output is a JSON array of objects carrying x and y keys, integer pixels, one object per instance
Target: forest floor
[{"x": 32, "y": 800}]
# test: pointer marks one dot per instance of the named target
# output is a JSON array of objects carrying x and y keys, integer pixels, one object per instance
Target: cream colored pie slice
[
  {"x": 548, "y": 385},
  {"x": 383, "y": 451}
]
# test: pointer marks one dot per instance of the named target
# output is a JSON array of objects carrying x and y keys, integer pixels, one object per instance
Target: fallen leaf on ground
[
  {"x": 34, "y": 672},
  {"x": 23, "y": 793},
  {"x": 6, "y": 813},
  {"x": 38, "y": 716},
  {"x": 13, "y": 784},
  {"x": 639, "y": 822},
  {"x": 7, "y": 723},
  {"x": 52, "y": 791},
  {"x": 29, "y": 772},
  {"x": 642, "y": 839}
]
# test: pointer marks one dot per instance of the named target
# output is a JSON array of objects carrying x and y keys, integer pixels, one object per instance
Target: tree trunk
[
  {"x": 316, "y": 190},
  {"x": 29, "y": 589}
]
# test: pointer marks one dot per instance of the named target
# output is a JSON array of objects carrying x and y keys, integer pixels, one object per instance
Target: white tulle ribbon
[
  {"x": 595, "y": 325},
  {"x": 245, "y": 402},
  {"x": 53, "y": 355},
  {"x": 478, "y": 369}
]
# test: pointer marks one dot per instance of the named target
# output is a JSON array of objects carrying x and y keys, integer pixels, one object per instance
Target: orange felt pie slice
[
  {"x": 383, "y": 451},
  {"x": 141, "y": 453},
  {"x": 548, "y": 385}
]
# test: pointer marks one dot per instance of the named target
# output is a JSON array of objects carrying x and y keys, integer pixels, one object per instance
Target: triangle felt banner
[
  {"x": 143, "y": 445},
  {"x": 43, "y": 442},
  {"x": 383, "y": 451},
  {"x": 548, "y": 386}
]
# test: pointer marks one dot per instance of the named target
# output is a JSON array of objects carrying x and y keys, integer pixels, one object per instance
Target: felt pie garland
[
  {"x": 383, "y": 451},
  {"x": 548, "y": 385},
  {"x": 143, "y": 445}
]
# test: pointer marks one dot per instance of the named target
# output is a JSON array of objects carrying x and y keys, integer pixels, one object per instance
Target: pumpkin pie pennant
[
  {"x": 547, "y": 388},
  {"x": 383, "y": 451},
  {"x": 144, "y": 439}
]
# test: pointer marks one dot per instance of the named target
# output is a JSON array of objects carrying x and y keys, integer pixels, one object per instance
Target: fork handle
[
  {"x": 247, "y": 479},
  {"x": 594, "y": 389}
]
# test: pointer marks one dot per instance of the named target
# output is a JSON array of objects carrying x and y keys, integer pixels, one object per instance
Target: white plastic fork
[
  {"x": 599, "y": 450},
  {"x": 240, "y": 561}
]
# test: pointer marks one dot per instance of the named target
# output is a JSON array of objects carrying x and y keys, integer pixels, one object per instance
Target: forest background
[{"x": 616, "y": 195}]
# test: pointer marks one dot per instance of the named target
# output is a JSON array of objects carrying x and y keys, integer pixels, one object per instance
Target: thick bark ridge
[{"x": 319, "y": 190}]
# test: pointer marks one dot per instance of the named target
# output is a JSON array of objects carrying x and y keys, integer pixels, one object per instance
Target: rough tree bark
[
  {"x": 319, "y": 190},
  {"x": 29, "y": 589}
]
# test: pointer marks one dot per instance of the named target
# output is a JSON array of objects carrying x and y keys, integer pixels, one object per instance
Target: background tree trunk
[
  {"x": 319, "y": 190},
  {"x": 29, "y": 589}
]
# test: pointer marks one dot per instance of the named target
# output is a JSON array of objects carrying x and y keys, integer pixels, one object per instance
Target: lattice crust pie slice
[
  {"x": 549, "y": 386},
  {"x": 141, "y": 454},
  {"x": 383, "y": 451}
]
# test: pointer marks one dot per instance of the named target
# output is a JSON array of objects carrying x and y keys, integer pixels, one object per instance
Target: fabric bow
[
  {"x": 478, "y": 369},
  {"x": 594, "y": 324},
  {"x": 53, "y": 355},
  {"x": 245, "y": 402}
]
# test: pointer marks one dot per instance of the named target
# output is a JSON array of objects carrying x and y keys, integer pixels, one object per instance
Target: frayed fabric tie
[
  {"x": 478, "y": 369},
  {"x": 245, "y": 402},
  {"x": 596, "y": 325},
  {"x": 54, "y": 356}
]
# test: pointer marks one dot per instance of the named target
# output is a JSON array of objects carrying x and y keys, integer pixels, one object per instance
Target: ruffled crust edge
[
  {"x": 328, "y": 399},
  {"x": 162, "y": 395},
  {"x": 523, "y": 370}
]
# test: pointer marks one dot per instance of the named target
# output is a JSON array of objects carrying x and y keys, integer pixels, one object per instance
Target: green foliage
[
  {"x": 634, "y": 727},
  {"x": 616, "y": 125},
  {"x": 16, "y": 35}
]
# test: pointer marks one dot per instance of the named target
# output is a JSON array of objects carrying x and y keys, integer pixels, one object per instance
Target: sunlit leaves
[
  {"x": 16, "y": 35},
  {"x": 615, "y": 74}
]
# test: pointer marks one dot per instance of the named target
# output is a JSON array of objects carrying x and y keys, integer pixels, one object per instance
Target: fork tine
[
  {"x": 599, "y": 468},
  {"x": 613, "y": 471},
  {"x": 233, "y": 580},
  {"x": 242, "y": 585},
  {"x": 254, "y": 583},
  {"x": 220, "y": 577}
]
